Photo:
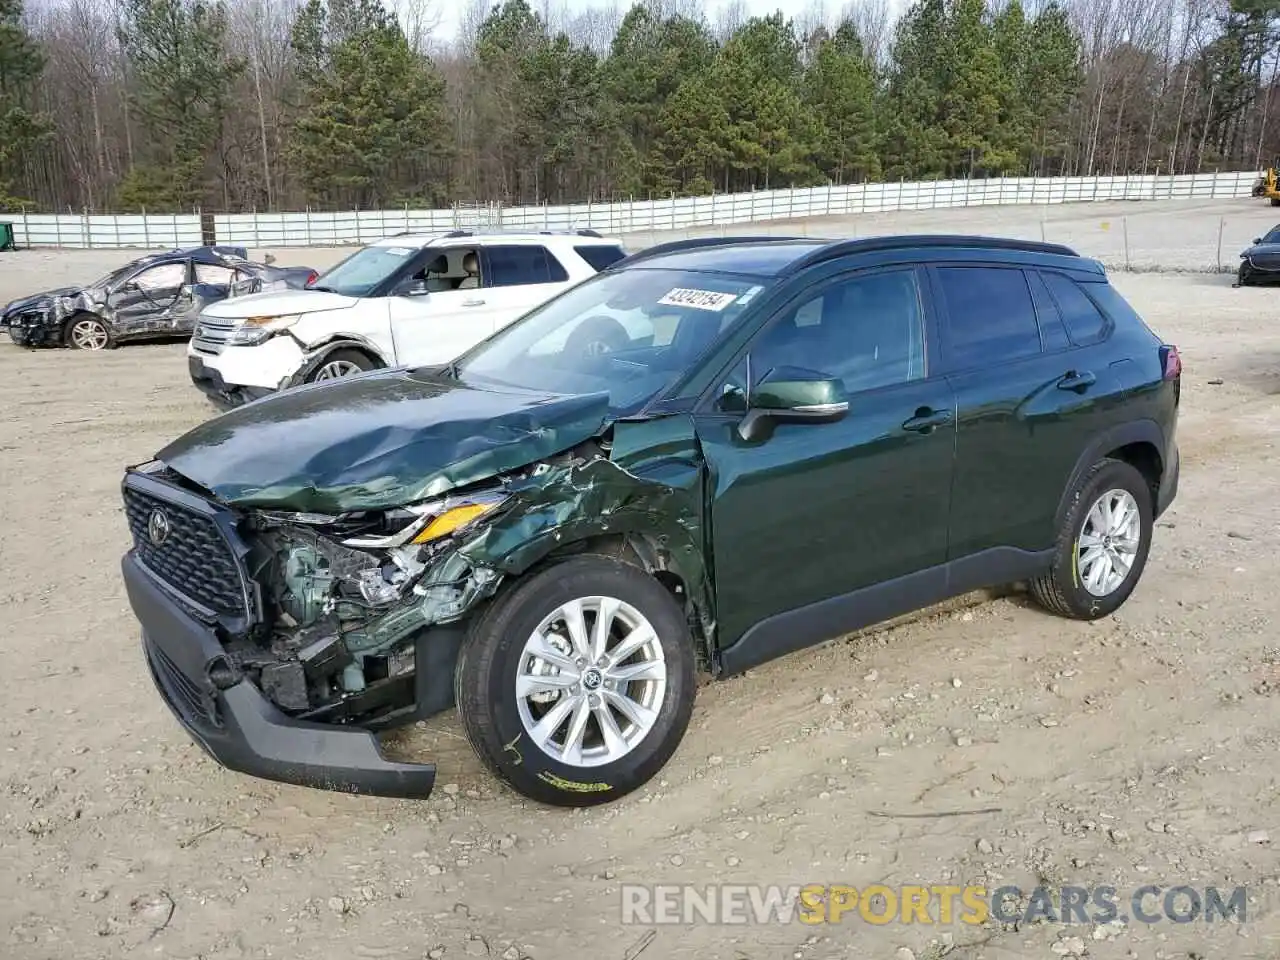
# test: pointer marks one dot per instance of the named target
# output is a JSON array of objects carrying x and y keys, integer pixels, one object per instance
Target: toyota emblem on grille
[{"x": 158, "y": 527}]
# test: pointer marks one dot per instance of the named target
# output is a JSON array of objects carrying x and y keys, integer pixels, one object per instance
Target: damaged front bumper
[
  {"x": 238, "y": 726},
  {"x": 209, "y": 381},
  {"x": 202, "y": 618},
  {"x": 235, "y": 375},
  {"x": 33, "y": 330}
]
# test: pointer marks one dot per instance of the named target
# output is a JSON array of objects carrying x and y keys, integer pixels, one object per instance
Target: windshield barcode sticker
[{"x": 698, "y": 299}]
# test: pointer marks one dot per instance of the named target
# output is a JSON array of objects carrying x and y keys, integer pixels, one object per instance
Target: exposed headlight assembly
[
  {"x": 434, "y": 519},
  {"x": 255, "y": 330}
]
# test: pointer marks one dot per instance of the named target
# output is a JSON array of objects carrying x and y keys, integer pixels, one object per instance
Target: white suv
[{"x": 408, "y": 300}]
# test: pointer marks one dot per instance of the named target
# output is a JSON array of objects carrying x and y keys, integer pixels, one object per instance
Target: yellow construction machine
[{"x": 1269, "y": 186}]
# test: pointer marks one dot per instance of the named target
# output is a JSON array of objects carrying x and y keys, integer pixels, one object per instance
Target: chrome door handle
[{"x": 473, "y": 303}]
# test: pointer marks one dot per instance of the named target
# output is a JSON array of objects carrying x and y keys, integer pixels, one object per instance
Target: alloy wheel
[
  {"x": 89, "y": 335},
  {"x": 1109, "y": 542},
  {"x": 337, "y": 368},
  {"x": 590, "y": 681}
]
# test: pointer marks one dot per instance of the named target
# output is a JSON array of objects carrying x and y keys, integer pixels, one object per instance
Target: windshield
[
  {"x": 357, "y": 275},
  {"x": 115, "y": 276},
  {"x": 628, "y": 333}
]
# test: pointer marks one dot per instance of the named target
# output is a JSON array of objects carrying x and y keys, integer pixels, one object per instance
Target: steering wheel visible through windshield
[
  {"x": 364, "y": 270},
  {"x": 629, "y": 333}
]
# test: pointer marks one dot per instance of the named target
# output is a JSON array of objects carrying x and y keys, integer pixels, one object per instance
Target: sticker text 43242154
[{"x": 698, "y": 299}]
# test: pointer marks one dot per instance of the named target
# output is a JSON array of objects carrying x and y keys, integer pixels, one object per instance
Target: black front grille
[
  {"x": 193, "y": 704},
  {"x": 193, "y": 558}
]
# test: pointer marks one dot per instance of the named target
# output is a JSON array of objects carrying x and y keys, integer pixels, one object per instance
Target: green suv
[{"x": 784, "y": 440}]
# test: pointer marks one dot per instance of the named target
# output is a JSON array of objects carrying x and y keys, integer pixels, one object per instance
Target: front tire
[
  {"x": 1102, "y": 546},
  {"x": 576, "y": 685},
  {"x": 340, "y": 363},
  {"x": 87, "y": 332}
]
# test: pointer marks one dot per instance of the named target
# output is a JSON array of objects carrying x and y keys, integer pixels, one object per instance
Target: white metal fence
[{"x": 316, "y": 229}]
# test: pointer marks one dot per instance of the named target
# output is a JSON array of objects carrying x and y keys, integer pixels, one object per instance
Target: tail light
[
  {"x": 313, "y": 277},
  {"x": 1171, "y": 360}
]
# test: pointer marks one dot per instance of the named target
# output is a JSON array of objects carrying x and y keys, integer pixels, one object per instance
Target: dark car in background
[
  {"x": 153, "y": 297},
  {"x": 1260, "y": 263},
  {"x": 795, "y": 439}
]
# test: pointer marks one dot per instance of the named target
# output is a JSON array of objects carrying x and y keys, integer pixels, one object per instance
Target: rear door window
[
  {"x": 990, "y": 315},
  {"x": 214, "y": 274},
  {"x": 600, "y": 256},
  {"x": 513, "y": 266},
  {"x": 1084, "y": 321}
]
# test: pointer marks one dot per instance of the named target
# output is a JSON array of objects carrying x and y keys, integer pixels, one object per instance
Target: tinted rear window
[
  {"x": 1085, "y": 322},
  {"x": 990, "y": 315},
  {"x": 520, "y": 265},
  {"x": 599, "y": 256}
]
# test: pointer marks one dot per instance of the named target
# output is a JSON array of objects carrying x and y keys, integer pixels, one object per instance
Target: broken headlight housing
[
  {"x": 255, "y": 330},
  {"x": 430, "y": 521}
]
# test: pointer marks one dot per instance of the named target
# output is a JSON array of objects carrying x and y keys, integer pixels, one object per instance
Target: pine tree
[
  {"x": 841, "y": 91},
  {"x": 22, "y": 129},
  {"x": 182, "y": 78},
  {"x": 372, "y": 129}
]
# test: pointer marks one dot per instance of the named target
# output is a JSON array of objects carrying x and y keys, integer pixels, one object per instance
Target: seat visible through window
[{"x": 868, "y": 331}]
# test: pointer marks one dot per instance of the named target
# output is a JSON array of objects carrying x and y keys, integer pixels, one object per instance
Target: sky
[{"x": 448, "y": 15}]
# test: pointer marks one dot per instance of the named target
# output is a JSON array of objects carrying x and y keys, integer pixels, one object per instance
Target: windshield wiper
[{"x": 323, "y": 289}]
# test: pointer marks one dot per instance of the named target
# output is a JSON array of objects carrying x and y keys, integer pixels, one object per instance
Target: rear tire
[
  {"x": 1106, "y": 533},
  {"x": 620, "y": 716},
  {"x": 341, "y": 363}
]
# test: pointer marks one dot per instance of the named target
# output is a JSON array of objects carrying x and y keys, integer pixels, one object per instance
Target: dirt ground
[{"x": 1137, "y": 750}]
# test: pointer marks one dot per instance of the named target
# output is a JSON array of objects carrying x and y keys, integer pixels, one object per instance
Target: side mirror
[
  {"x": 412, "y": 288},
  {"x": 793, "y": 396},
  {"x": 1257, "y": 239}
]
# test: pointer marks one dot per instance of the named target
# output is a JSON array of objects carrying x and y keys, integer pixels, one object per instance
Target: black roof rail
[
  {"x": 840, "y": 248},
  {"x": 455, "y": 234},
  {"x": 591, "y": 233},
  {"x": 693, "y": 243}
]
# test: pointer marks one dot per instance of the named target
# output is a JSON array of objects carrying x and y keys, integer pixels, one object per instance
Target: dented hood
[
  {"x": 279, "y": 304},
  {"x": 377, "y": 440},
  {"x": 40, "y": 299}
]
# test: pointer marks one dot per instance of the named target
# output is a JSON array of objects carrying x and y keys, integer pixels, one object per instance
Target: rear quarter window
[
  {"x": 600, "y": 256},
  {"x": 524, "y": 265},
  {"x": 1085, "y": 323}
]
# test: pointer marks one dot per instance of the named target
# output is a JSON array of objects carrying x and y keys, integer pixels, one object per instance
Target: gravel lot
[{"x": 1137, "y": 750}]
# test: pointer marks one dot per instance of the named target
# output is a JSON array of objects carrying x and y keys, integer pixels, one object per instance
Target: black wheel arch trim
[
  {"x": 315, "y": 354},
  {"x": 1120, "y": 435}
]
